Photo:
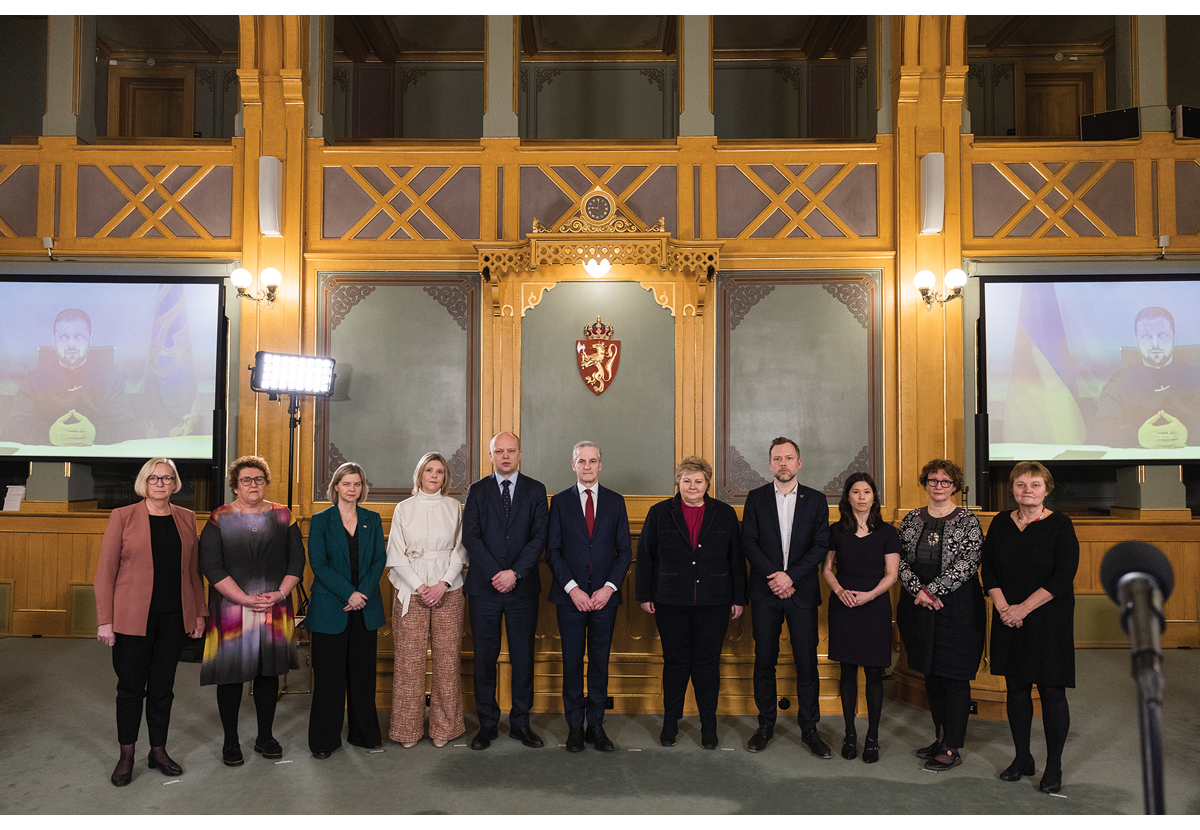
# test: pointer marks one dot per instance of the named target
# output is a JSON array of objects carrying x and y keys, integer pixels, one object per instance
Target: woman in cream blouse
[{"x": 425, "y": 560}]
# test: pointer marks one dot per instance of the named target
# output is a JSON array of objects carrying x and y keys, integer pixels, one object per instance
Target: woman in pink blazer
[{"x": 149, "y": 598}]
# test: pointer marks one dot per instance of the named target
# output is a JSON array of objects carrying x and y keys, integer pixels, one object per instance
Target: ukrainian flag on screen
[{"x": 1041, "y": 407}]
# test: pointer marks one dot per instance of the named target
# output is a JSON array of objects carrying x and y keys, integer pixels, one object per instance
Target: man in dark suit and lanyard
[
  {"x": 588, "y": 553},
  {"x": 785, "y": 537},
  {"x": 504, "y": 532}
]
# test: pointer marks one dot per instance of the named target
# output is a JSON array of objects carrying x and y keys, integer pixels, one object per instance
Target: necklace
[{"x": 1022, "y": 524}]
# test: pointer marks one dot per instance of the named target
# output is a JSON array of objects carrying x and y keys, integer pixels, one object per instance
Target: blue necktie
[{"x": 505, "y": 498}]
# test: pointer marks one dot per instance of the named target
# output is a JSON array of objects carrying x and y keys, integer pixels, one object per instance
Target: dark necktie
[
  {"x": 589, "y": 513},
  {"x": 505, "y": 498}
]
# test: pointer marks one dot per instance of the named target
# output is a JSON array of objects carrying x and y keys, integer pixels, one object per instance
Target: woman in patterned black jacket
[{"x": 941, "y": 611}]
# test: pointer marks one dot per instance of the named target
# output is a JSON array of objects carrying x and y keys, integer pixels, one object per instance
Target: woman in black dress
[
  {"x": 941, "y": 615},
  {"x": 866, "y": 559},
  {"x": 1029, "y": 561}
]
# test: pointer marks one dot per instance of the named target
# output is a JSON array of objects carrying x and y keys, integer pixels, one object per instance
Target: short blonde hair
[
  {"x": 425, "y": 459},
  {"x": 1032, "y": 468},
  {"x": 139, "y": 483},
  {"x": 245, "y": 462},
  {"x": 694, "y": 464},
  {"x": 341, "y": 472}
]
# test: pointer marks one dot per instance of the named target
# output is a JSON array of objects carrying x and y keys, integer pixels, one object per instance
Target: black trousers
[
  {"x": 145, "y": 669},
  {"x": 519, "y": 616},
  {"x": 766, "y": 622},
  {"x": 950, "y": 707},
  {"x": 692, "y": 637},
  {"x": 591, "y": 631},
  {"x": 344, "y": 681}
]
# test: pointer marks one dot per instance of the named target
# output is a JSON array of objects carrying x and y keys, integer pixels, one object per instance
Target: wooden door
[
  {"x": 1050, "y": 98},
  {"x": 148, "y": 102}
]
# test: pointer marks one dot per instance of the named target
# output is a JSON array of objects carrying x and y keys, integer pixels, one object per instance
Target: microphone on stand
[{"x": 1139, "y": 578}]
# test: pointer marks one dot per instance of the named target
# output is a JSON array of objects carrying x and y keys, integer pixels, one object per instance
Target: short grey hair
[{"x": 575, "y": 450}]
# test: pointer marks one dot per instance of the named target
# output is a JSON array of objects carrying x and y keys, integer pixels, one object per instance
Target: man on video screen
[
  {"x": 71, "y": 402},
  {"x": 1154, "y": 403}
]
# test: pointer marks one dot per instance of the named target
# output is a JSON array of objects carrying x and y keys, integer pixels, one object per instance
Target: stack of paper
[{"x": 12, "y": 499}]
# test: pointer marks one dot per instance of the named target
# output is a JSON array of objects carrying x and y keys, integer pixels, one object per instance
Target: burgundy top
[{"x": 694, "y": 516}]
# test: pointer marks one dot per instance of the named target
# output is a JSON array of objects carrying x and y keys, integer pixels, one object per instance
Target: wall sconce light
[
  {"x": 270, "y": 279},
  {"x": 954, "y": 281},
  {"x": 597, "y": 269}
]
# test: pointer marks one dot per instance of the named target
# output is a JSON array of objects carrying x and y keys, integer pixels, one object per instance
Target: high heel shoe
[
  {"x": 870, "y": 751},
  {"x": 122, "y": 774},
  {"x": 1051, "y": 781},
  {"x": 1019, "y": 767},
  {"x": 160, "y": 760}
]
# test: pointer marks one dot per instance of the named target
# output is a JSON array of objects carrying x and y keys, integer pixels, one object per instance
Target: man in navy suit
[
  {"x": 504, "y": 532},
  {"x": 785, "y": 537},
  {"x": 588, "y": 553}
]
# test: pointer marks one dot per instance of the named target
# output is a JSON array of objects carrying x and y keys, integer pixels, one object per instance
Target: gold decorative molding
[
  {"x": 664, "y": 294},
  {"x": 532, "y": 293}
]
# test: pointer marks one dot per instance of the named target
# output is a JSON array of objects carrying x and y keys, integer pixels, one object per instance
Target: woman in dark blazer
[
  {"x": 691, "y": 577},
  {"x": 149, "y": 599},
  {"x": 1030, "y": 557},
  {"x": 346, "y": 553}
]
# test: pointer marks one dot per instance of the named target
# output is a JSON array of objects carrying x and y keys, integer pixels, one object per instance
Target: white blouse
[{"x": 425, "y": 544}]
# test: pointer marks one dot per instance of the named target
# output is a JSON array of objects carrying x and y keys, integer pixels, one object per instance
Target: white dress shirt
[
  {"x": 786, "y": 507},
  {"x": 595, "y": 489},
  {"x": 425, "y": 545}
]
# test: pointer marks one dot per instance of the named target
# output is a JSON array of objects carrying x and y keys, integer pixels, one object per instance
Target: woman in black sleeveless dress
[{"x": 860, "y": 570}]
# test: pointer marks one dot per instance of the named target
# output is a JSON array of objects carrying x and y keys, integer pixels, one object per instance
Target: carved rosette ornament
[{"x": 598, "y": 356}]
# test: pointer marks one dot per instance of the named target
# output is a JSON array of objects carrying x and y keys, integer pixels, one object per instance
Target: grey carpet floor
[{"x": 57, "y": 727}]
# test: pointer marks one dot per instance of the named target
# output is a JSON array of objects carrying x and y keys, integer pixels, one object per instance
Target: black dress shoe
[
  {"x": 815, "y": 745},
  {"x": 526, "y": 736},
  {"x": 934, "y": 748},
  {"x": 322, "y": 754},
  {"x": 575, "y": 739},
  {"x": 484, "y": 737},
  {"x": 269, "y": 748},
  {"x": 708, "y": 738},
  {"x": 936, "y": 764},
  {"x": 850, "y": 747},
  {"x": 870, "y": 751},
  {"x": 668, "y": 738},
  {"x": 231, "y": 755},
  {"x": 596, "y": 736},
  {"x": 122, "y": 774},
  {"x": 760, "y": 739},
  {"x": 160, "y": 760},
  {"x": 1051, "y": 781},
  {"x": 1018, "y": 768}
]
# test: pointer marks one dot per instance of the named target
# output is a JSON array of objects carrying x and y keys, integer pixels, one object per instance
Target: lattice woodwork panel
[
  {"x": 643, "y": 194},
  {"x": 1053, "y": 199},
  {"x": 797, "y": 201},
  {"x": 395, "y": 202},
  {"x": 145, "y": 200}
]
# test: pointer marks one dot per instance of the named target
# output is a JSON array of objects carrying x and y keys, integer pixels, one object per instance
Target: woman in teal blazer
[{"x": 346, "y": 552}]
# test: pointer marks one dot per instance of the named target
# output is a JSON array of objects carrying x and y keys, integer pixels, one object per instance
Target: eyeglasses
[
  {"x": 160, "y": 479},
  {"x": 245, "y": 482},
  {"x": 939, "y": 483}
]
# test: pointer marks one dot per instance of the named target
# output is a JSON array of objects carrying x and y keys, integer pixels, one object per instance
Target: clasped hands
[
  {"x": 1012, "y": 616},
  {"x": 80, "y": 433},
  {"x": 851, "y": 599},
  {"x": 927, "y": 600},
  {"x": 1169, "y": 434},
  {"x": 431, "y": 595},
  {"x": 595, "y": 602},
  {"x": 781, "y": 584},
  {"x": 263, "y": 602}
]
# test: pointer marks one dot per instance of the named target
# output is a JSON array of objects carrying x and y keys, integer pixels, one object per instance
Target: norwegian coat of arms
[{"x": 598, "y": 356}]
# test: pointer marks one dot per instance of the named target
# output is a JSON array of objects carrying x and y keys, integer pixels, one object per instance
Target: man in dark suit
[
  {"x": 504, "y": 532},
  {"x": 785, "y": 537},
  {"x": 588, "y": 553}
]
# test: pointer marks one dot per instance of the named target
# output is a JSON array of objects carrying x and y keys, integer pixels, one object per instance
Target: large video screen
[
  {"x": 1092, "y": 369},
  {"x": 108, "y": 368}
]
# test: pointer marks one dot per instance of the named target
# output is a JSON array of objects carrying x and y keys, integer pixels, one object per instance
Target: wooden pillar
[{"x": 273, "y": 73}]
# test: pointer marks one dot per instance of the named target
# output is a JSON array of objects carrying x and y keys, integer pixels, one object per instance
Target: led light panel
[{"x": 292, "y": 374}]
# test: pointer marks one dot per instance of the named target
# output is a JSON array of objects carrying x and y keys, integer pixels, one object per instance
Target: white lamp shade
[
  {"x": 955, "y": 278},
  {"x": 924, "y": 280},
  {"x": 270, "y": 277},
  {"x": 240, "y": 278}
]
